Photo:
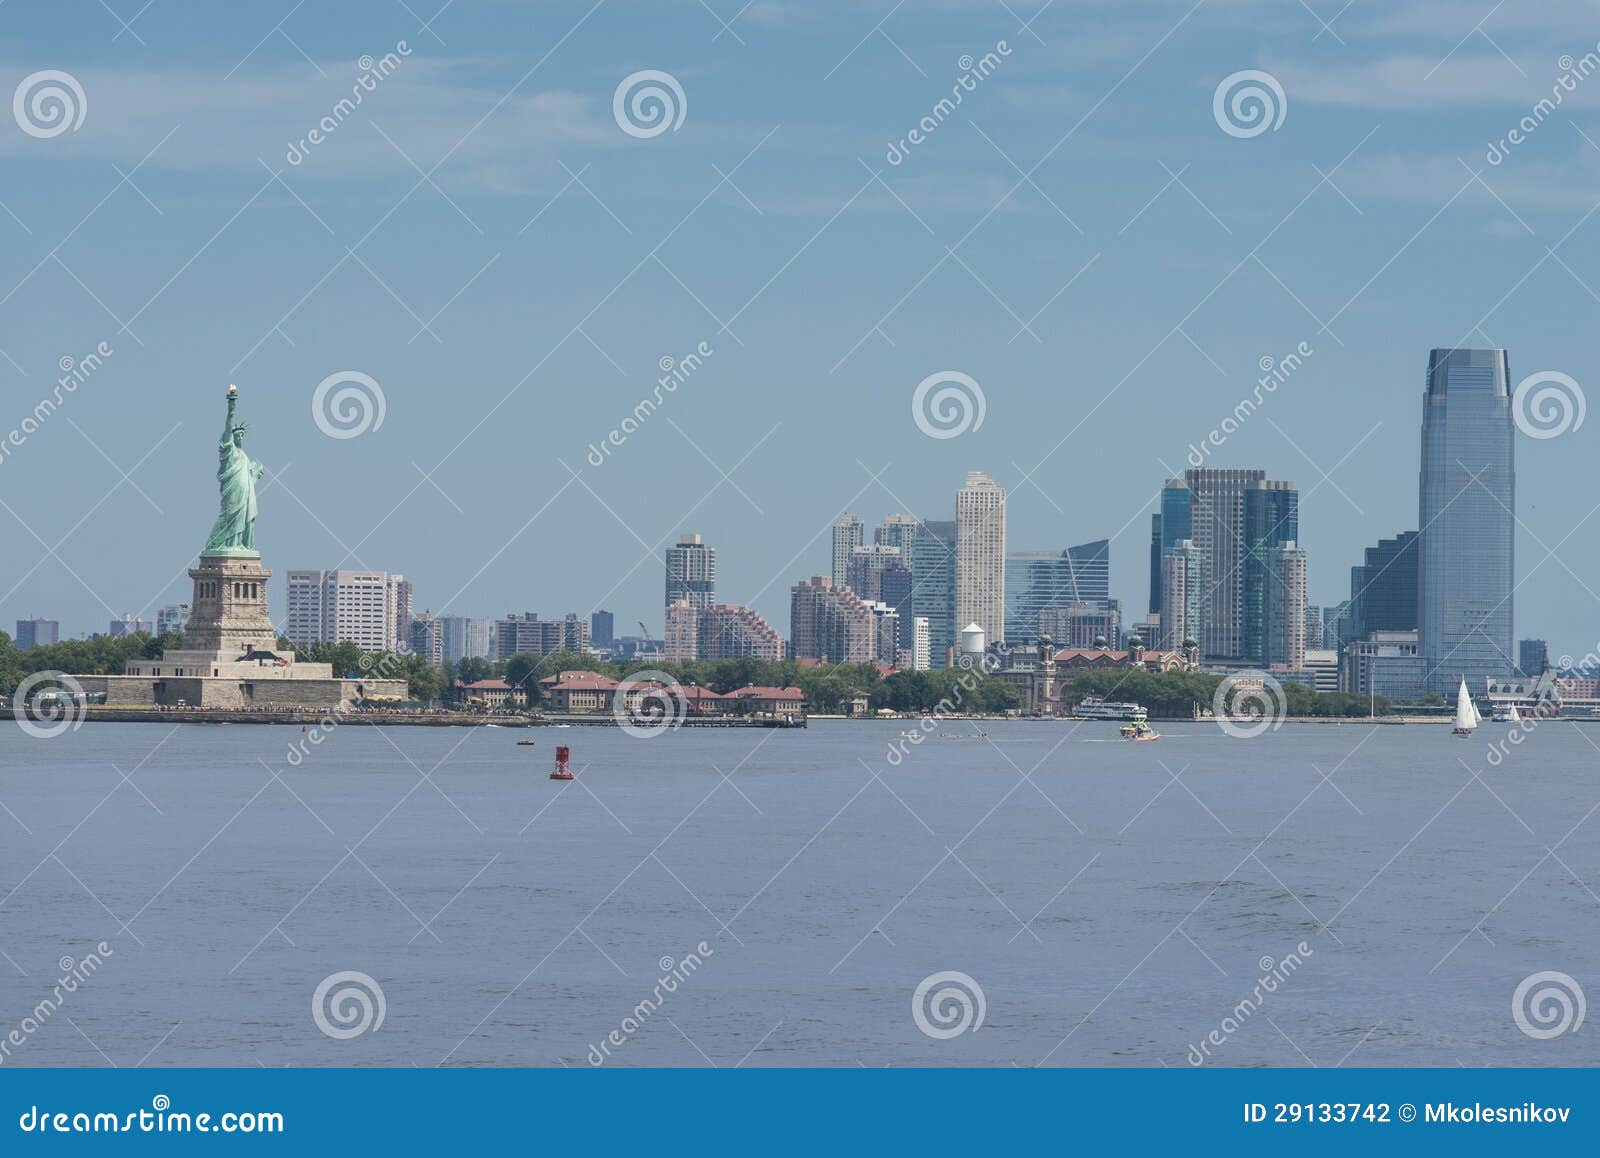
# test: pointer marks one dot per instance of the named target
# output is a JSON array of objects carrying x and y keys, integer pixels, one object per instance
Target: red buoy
[{"x": 562, "y": 772}]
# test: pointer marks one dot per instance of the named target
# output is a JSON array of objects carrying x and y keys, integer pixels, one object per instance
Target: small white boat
[{"x": 1467, "y": 717}]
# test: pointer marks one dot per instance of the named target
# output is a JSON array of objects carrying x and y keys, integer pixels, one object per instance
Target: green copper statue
[{"x": 234, "y": 532}]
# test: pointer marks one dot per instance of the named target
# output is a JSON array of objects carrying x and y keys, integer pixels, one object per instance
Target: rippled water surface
[{"x": 1114, "y": 902}]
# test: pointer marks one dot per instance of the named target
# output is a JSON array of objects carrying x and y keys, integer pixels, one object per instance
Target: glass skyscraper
[
  {"x": 1467, "y": 500},
  {"x": 1383, "y": 590},
  {"x": 933, "y": 575},
  {"x": 1168, "y": 526},
  {"x": 1271, "y": 519},
  {"x": 1036, "y": 580}
]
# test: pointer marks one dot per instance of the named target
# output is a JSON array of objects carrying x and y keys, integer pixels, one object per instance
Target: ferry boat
[{"x": 1099, "y": 708}]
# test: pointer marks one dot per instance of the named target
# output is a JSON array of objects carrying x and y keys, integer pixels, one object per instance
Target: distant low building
[
  {"x": 36, "y": 633},
  {"x": 490, "y": 694}
]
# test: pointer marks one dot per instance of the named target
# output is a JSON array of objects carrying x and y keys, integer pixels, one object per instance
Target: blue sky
[{"x": 483, "y": 240}]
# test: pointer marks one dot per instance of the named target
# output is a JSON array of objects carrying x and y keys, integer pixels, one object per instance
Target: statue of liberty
[{"x": 234, "y": 532}]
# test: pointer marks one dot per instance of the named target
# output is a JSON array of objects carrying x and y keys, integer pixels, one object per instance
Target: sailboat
[{"x": 1466, "y": 713}]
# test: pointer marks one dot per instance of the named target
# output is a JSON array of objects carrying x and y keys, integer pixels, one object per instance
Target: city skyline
[{"x": 1352, "y": 231}]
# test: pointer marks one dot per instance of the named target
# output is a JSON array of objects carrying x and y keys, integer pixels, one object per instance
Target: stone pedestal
[{"x": 228, "y": 612}]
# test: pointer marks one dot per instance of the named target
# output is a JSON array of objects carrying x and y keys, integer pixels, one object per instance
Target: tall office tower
[
  {"x": 1216, "y": 512},
  {"x": 732, "y": 631},
  {"x": 831, "y": 623},
  {"x": 1383, "y": 589},
  {"x": 1334, "y": 620},
  {"x": 172, "y": 618},
  {"x": 1533, "y": 656},
  {"x": 1271, "y": 518},
  {"x": 886, "y": 632},
  {"x": 1467, "y": 515},
  {"x": 427, "y": 639},
  {"x": 1036, "y": 580},
  {"x": 921, "y": 644},
  {"x": 128, "y": 624},
  {"x": 1170, "y": 524},
  {"x": 1183, "y": 595},
  {"x": 981, "y": 555},
  {"x": 1090, "y": 567},
  {"x": 897, "y": 587},
  {"x": 1313, "y": 626},
  {"x": 36, "y": 633},
  {"x": 400, "y": 602},
  {"x": 681, "y": 638},
  {"x": 896, "y": 531},
  {"x": 463, "y": 638},
  {"x": 1285, "y": 607},
  {"x": 933, "y": 595},
  {"x": 343, "y": 606},
  {"x": 691, "y": 572},
  {"x": 848, "y": 534},
  {"x": 602, "y": 628},
  {"x": 528, "y": 634},
  {"x": 1082, "y": 625},
  {"x": 863, "y": 573}
]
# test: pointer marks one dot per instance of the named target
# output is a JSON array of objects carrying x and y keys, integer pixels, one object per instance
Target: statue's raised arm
[{"x": 234, "y": 531}]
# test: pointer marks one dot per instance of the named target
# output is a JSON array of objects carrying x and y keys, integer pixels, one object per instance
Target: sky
[{"x": 503, "y": 253}]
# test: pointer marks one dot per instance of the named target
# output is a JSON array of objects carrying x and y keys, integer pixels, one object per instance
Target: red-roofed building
[
  {"x": 491, "y": 694},
  {"x": 768, "y": 701},
  {"x": 578, "y": 691}
]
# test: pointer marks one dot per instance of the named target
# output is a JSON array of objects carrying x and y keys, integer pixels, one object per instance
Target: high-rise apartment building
[
  {"x": 172, "y": 618},
  {"x": 1183, "y": 595},
  {"x": 1271, "y": 519},
  {"x": 602, "y": 628},
  {"x": 344, "y": 606},
  {"x": 864, "y": 572},
  {"x": 933, "y": 576},
  {"x": 897, "y": 587},
  {"x": 427, "y": 639},
  {"x": 401, "y": 609},
  {"x": 1467, "y": 505},
  {"x": 36, "y": 633},
  {"x": 1285, "y": 607},
  {"x": 680, "y": 638},
  {"x": 529, "y": 635},
  {"x": 921, "y": 644},
  {"x": 1236, "y": 518},
  {"x": 732, "y": 631},
  {"x": 691, "y": 572},
  {"x": 848, "y": 534},
  {"x": 830, "y": 623},
  {"x": 981, "y": 555},
  {"x": 896, "y": 531},
  {"x": 1170, "y": 524},
  {"x": 463, "y": 638}
]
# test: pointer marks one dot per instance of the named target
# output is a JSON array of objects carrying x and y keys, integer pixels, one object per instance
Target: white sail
[
  {"x": 1466, "y": 714},
  {"x": 1516, "y": 716}
]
